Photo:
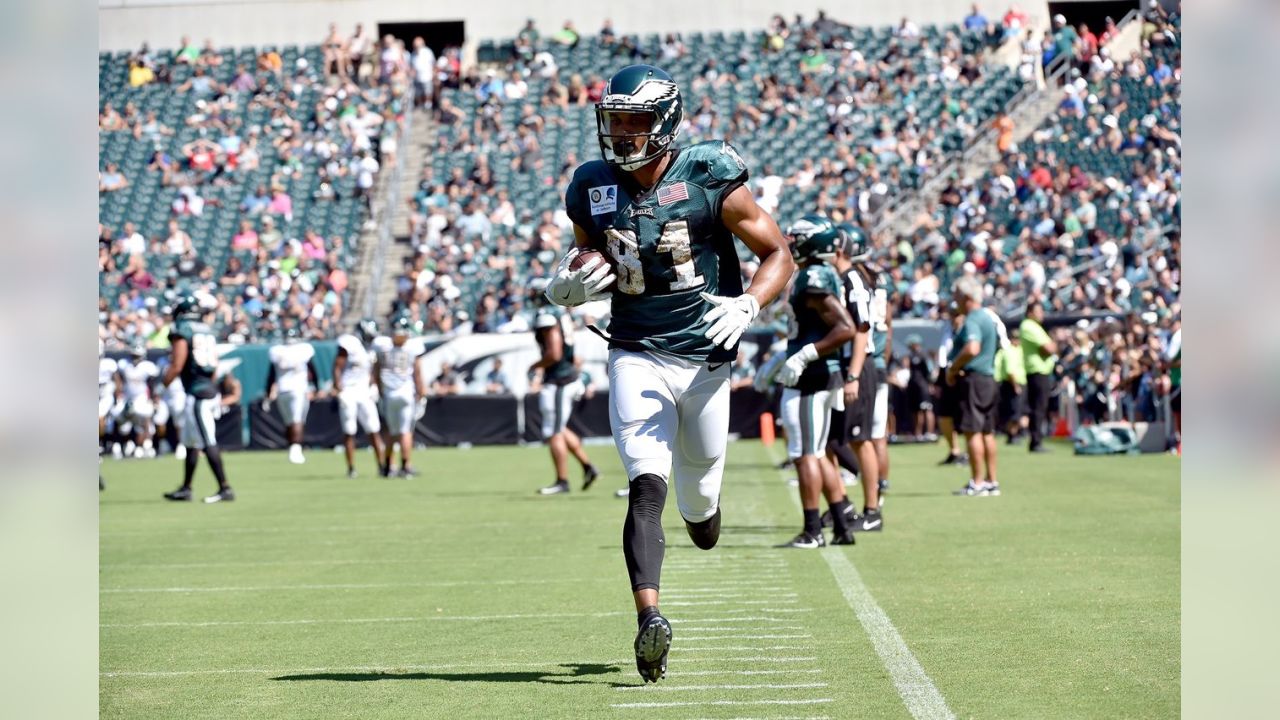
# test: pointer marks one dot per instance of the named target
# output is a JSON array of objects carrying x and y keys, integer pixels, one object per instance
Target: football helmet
[
  {"x": 638, "y": 89},
  {"x": 402, "y": 325},
  {"x": 367, "y": 330},
  {"x": 813, "y": 237},
  {"x": 187, "y": 306},
  {"x": 853, "y": 242}
]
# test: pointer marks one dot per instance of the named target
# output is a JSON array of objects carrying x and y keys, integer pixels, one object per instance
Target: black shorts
[
  {"x": 948, "y": 400},
  {"x": 919, "y": 396},
  {"x": 1012, "y": 405},
  {"x": 977, "y": 397},
  {"x": 1175, "y": 399},
  {"x": 859, "y": 417}
]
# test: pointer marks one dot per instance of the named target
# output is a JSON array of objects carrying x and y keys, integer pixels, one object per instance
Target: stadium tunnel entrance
[{"x": 438, "y": 35}]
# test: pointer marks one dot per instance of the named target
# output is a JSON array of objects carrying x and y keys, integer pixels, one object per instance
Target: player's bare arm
[
  {"x": 177, "y": 360},
  {"x": 836, "y": 317},
  {"x": 339, "y": 363},
  {"x": 757, "y": 229}
]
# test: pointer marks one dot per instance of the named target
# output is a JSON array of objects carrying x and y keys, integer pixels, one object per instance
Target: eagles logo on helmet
[{"x": 813, "y": 237}]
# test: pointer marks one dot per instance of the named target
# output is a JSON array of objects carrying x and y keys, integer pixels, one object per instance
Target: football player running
[
  {"x": 402, "y": 387},
  {"x": 666, "y": 216},
  {"x": 288, "y": 387},
  {"x": 194, "y": 358},
  {"x": 561, "y": 385},
  {"x": 353, "y": 385},
  {"x": 811, "y": 375}
]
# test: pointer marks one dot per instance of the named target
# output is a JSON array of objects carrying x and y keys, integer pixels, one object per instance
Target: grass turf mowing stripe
[
  {"x": 695, "y": 703},
  {"x": 747, "y": 686},
  {"x": 921, "y": 696}
]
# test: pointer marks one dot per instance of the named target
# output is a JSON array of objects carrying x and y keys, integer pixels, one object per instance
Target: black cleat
[
  {"x": 1038, "y": 449},
  {"x": 969, "y": 490},
  {"x": 806, "y": 541},
  {"x": 407, "y": 472},
  {"x": 705, "y": 534},
  {"x": 871, "y": 521},
  {"x": 589, "y": 475},
  {"x": 223, "y": 495},
  {"x": 182, "y": 494},
  {"x": 953, "y": 459},
  {"x": 652, "y": 644},
  {"x": 384, "y": 471},
  {"x": 845, "y": 538},
  {"x": 560, "y": 486}
]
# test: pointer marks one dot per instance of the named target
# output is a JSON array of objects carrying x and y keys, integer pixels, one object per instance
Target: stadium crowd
[{"x": 250, "y": 180}]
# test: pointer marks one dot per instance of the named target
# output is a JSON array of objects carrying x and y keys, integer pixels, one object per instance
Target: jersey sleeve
[
  {"x": 814, "y": 281},
  {"x": 575, "y": 201},
  {"x": 1033, "y": 333},
  {"x": 725, "y": 171}
]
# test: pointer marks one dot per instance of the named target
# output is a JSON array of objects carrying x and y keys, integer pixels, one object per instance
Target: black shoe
[
  {"x": 352, "y": 474},
  {"x": 806, "y": 541},
  {"x": 969, "y": 490},
  {"x": 407, "y": 472},
  {"x": 844, "y": 538},
  {"x": 870, "y": 521},
  {"x": 589, "y": 476},
  {"x": 652, "y": 644},
  {"x": 785, "y": 464},
  {"x": 560, "y": 486},
  {"x": 705, "y": 534},
  {"x": 884, "y": 486},
  {"x": 384, "y": 471},
  {"x": 102, "y": 484},
  {"x": 182, "y": 494},
  {"x": 950, "y": 459},
  {"x": 1038, "y": 449},
  {"x": 223, "y": 495}
]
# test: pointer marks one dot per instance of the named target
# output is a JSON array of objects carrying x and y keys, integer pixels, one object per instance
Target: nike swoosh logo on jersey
[{"x": 716, "y": 367}]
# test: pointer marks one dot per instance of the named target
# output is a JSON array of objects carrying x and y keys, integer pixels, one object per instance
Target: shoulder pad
[{"x": 721, "y": 160}]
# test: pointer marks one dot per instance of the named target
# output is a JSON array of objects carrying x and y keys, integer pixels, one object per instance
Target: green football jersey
[
  {"x": 817, "y": 280},
  {"x": 562, "y": 372},
  {"x": 668, "y": 245},
  {"x": 202, "y": 357}
]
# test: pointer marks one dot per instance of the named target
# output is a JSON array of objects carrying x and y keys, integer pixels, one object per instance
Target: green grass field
[{"x": 461, "y": 594}]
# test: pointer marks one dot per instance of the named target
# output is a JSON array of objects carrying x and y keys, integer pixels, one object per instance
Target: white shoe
[
  {"x": 295, "y": 455},
  {"x": 149, "y": 452},
  {"x": 848, "y": 478},
  {"x": 139, "y": 453},
  {"x": 180, "y": 452},
  {"x": 624, "y": 492},
  {"x": 130, "y": 448},
  {"x": 116, "y": 452}
]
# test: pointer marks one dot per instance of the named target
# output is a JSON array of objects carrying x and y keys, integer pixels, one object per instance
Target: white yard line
[
  {"x": 785, "y": 636},
  {"x": 921, "y": 696},
  {"x": 743, "y": 648},
  {"x": 764, "y": 659},
  {"x": 698, "y": 673},
  {"x": 811, "y": 701},
  {"x": 717, "y": 603},
  {"x": 390, "y": 669},
  {"x": 750, "y": 686},
  {"x": 358, "y": 621},
  {"x": 341, "y": 586},
  {"x": 698, "y": 629}
]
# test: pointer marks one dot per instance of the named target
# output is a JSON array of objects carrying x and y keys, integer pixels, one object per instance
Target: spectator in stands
[
  {"x": 567, "y": 35},
  {"x": 424, "y": 66},
  {"x": 975, "y": 21},
  {"x": 178, "y": 241},
  {"x": 139, "y": 73},
  {"x": 358, "y": 48},
  {"x": 246, "y": 238},
  {"x": 188, "y": 53},
  {"x": 335, "y": 53},
  {"x": 110, "y": 179},
  {"x": 281, "y": 203},
  {"x": 496, "y": 381},
  {"x": 270, "y": 238},
  {"x": 607, "y": 36},
  {"x": 448, "y": 382}
]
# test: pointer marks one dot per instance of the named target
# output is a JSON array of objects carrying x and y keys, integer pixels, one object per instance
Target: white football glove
[
  {"x": 729, "y": 318},
  {"x": 419, "y": 408},
  {"x": 791, "y": 370},
  {"x": 588, "y": 283}
]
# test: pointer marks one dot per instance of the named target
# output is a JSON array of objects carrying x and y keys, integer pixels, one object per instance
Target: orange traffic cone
[
  {"x": 766, "y": 429},
  {"x": 1060, "y": 430}
]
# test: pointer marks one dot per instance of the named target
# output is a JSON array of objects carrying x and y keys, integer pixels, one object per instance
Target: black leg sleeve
[{"x": 643, "y": 542}]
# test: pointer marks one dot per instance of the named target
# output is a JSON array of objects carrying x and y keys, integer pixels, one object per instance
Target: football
[{"x": 585, "y": 257}]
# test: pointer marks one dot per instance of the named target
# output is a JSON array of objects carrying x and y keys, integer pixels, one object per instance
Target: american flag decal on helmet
[{"x": 675, "y": 192}]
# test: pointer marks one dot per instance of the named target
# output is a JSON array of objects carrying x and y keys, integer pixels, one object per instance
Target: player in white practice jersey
[
  {"x": 108, "y": 389},
  {"x": 353, "y": 386},
  {"x": 289, "y": 387},
  {"x": 402, "y": 389},
  {"x": 136, "y": 375}
]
